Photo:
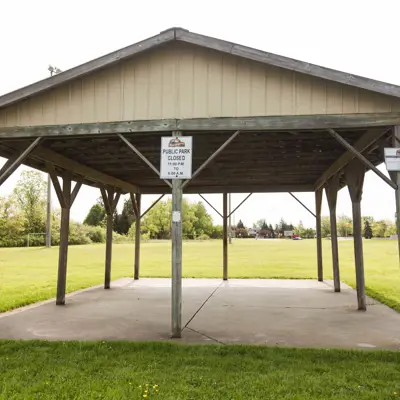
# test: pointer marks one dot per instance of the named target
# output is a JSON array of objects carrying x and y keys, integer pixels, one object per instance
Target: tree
[
  {"x": 379, "y": 228},
  {"x": 30, "y": 194},
  {"x": 367, "y": 229},
  {"x": 203, "y": 224},
  {"x": 344, "y": 226},
  {"x": 157, "y": 222},
  {"x": 325, "y": 226},
  {"x": 240, "y": 225},
  {"x": 122, "y": 222},
  {"x": 96, "y": 215},
  {"x": 11, "y": 223}
]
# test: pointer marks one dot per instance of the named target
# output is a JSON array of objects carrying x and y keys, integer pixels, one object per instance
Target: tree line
[
  {"x": 156, "y": 224},
  {"x": 24, "y": 212}
]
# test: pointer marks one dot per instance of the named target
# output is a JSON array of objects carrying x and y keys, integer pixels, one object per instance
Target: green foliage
[
  {"x": 203, "y": 237},
  {"x": 157, "y": 222},
  {"x": 217, "y": 232},
  {"x": 122, "y": 222},
  {"x": 367, "y": 228},
  {"x": 30, "y": 195},
  {"x": 96, "y": 215},
  {"x": 96, "y": 234},
  {"x": 12, "y": 223},
  {"x": 240, "y": 225},
  {"x": 325, "y": 226},
  {"x": 344, "y": 226}
]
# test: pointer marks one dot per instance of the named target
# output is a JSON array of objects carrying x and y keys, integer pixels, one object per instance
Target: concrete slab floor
[{"x": 301, "y": 313}]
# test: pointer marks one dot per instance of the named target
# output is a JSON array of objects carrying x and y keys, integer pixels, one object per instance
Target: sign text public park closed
[{"x": 176, "y": 157}]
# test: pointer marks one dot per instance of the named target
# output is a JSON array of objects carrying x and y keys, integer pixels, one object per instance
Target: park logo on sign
[
  {"x": 176, "y": 157},
  {"x": 176, "y": 143}
]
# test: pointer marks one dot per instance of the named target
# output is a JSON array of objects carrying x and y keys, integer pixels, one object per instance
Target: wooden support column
[
  {"x": 332, "y": 188},
  {"x": 66, "y": 199},
  {"x": 176, "y": 258},
  {"x": 225, "y": 235},
  {"x": 395, "y": 176},
  {"x": 137, "y": 236},
  {"x": 318, "y": 205},
  {"x": 110, "y": 200},
  {"x": 354, "y": 173}
]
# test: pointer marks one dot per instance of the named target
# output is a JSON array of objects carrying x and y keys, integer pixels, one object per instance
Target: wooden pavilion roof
[{"x": 271, "y": 154}]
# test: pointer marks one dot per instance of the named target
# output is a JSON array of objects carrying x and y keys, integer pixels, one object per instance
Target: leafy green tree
[
  {"x": 240, "y": 225},
  {"x": 344, "y": 226},
  {"x": 30, "y": 194},
  {"x": 367, "y": 229},
  {"x": 12, "y": 223},
  {"x": 157, "y": 222},
  {"x": 379, "y": 228},
  {"x": 203, "y": 224},
  {"x": 96, "y": 215},
  {"x": 122, "y": 222},
  {"x": 325, "y": 226}
]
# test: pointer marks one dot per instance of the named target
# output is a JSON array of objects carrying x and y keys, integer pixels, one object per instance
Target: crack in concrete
[{"x": 203, "y": 304}]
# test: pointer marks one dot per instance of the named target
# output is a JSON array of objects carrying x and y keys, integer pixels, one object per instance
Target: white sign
[
  {"x": 176, "y": 216},
  {"x": 392, "y": 159},
  {"x": 288, "y": 233},
  {"x": 176, "y": 157}
]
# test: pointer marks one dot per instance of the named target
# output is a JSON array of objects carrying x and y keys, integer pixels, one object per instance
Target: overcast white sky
[{"x": 355, "y": 36}]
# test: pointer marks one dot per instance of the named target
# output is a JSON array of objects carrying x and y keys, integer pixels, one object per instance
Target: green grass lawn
[
  {"x": 29, "y": 275},
  {"x": 104, "y": 370}
]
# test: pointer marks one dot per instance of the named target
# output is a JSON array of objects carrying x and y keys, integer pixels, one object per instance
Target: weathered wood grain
[
  {"x": 354, "y": 173},
  {"x": 318, "y": 205},
  {"x": 331, "y": 188}
]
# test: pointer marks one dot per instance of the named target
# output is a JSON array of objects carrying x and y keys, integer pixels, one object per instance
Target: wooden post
[
  {"x": 318, "y": 205},
  {"x": 395, "y": 176},
  {"x": 332, "y": 188},
  {"x": 354, "y": 173},
  {"x": 110, "y": 200},
  {"x": 66, "y": 199},
  {"x": 137, "y": 237},
  {"x": 176, "y": 258},
  {"x": 64, "y": 231},
  {"x": 48, "y": 219},
  {"x": 225, "y": 235}
]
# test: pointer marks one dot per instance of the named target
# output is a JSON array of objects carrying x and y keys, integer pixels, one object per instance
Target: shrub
[
  {"x": 78, "y": 234},
  {"x": 203, "y": 237},
  {"x": 96, "y": 234}
]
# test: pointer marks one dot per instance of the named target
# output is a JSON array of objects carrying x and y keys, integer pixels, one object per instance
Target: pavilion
[{"x": 260, "y": 123}]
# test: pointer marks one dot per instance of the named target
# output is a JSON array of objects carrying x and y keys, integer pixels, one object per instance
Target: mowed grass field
[
  {"x": 30, "y": 275},
  {"x": 116, "y": 371}
]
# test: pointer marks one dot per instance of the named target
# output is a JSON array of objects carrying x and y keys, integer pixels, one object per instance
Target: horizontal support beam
[
  {"x": 79, "y": 169},
  {"x": 286, "y": 122},
  {"x": 193, "y": 189},
  {"x": 361, "y": 145}
]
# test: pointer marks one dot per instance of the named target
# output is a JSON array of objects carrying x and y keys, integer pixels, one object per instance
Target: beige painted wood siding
[{"x": 184, "y": 81}]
